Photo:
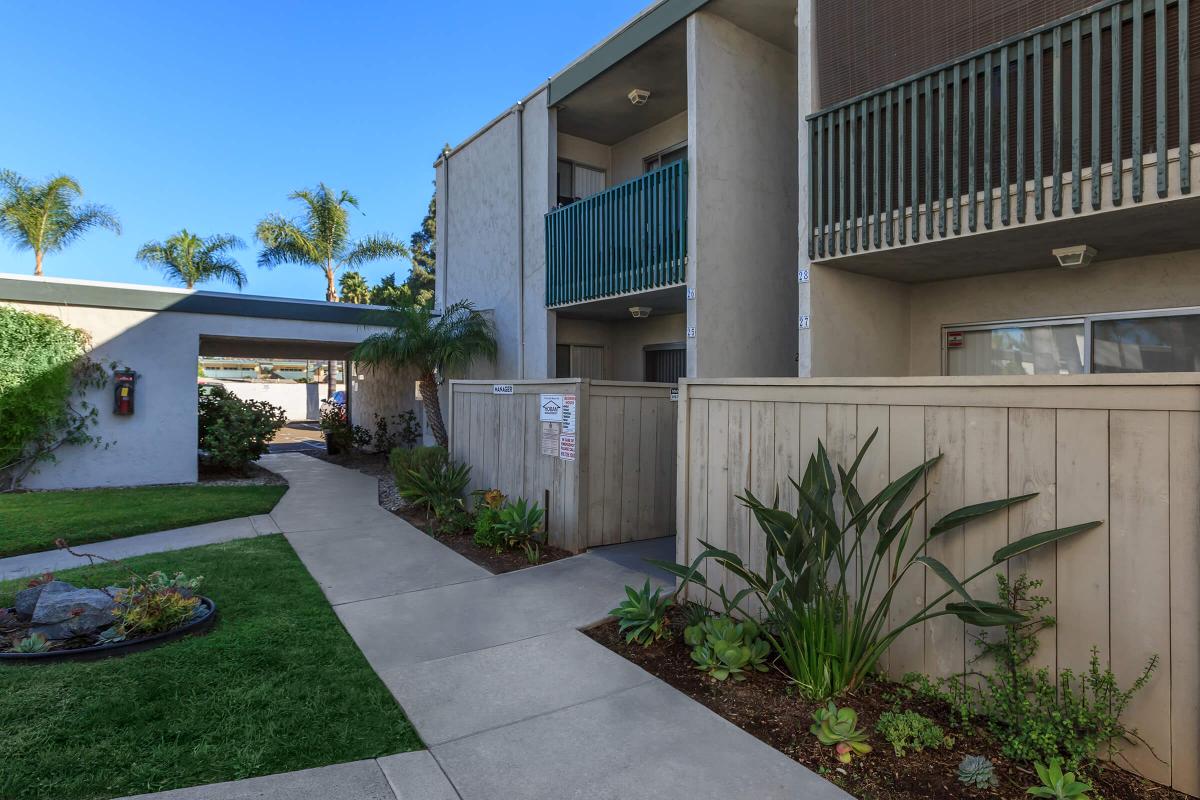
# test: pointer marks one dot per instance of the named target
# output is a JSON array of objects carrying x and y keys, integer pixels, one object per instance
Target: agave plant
[
  {"x": 838, "y": 728},
  {"x": 642, "y": 615},
  {"x": 832, "y": 569},
  {"x": 977, "y": 772},
  {"x": 519, "y": 522}
]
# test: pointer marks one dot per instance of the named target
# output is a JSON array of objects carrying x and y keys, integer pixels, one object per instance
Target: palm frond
[
  {"x": 375, "y": 247},
  {"x": 285, "y": 242}
]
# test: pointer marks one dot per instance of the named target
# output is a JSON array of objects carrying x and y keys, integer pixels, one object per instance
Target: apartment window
[
  {"x": 666, "y": 363},
  {"x": 676, "y": 152},
  {"x": 1135, "y": 341},
  {"x": 579, "y": 361},
  {"x": 577, "y": 181}
]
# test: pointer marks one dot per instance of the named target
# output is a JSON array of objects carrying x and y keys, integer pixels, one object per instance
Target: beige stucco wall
[
  {"x": 586, "y": 152},
  {"x": 157, "y": 443},
  {"x": 871, "y": 327},
  {"x": 742, "y": 198},
  {"x": 628, "y": 155},
  {"x": 624, "y": 341}
]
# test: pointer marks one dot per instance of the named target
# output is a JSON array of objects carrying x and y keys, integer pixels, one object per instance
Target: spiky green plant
[
  {"x": 827, "y": 616},
  {"x": 45, "y": 217},
  {"x": 1058, "y": 785},
  {"x": 320, "y": 237},
  {"x": 430, "y": 344},
  {"x": 642, "y": 615},
  {"x": 188, "y": 259}
]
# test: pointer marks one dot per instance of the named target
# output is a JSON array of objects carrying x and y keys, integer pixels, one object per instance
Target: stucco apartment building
[{"x": 635, "y": 218}]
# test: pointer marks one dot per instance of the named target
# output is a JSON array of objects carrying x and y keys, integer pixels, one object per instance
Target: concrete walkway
[
  {"x": 195, "y": 536},
  {"x": 511, "y": 699}
]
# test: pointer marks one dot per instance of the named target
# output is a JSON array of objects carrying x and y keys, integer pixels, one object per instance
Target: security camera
[
  {"x": 1074, "y": 257},
  {"x": 639, "y": 96},
  {"x": 639, "y": 312}
]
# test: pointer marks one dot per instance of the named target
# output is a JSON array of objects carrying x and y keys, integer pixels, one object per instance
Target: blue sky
[{"x": 207, "y": 114}]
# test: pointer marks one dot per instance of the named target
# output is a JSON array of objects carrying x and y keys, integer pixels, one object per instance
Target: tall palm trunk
[
  {"x": 37, "y": 259},
  {"x": 433, "y": 409},
  {"x": 331, "y": 295}
]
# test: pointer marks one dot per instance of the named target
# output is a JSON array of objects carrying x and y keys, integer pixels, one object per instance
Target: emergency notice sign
[{"x": 566, "y": 447}]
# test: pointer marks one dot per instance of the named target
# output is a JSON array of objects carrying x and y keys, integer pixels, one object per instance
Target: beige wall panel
[
  {"x": 1140, "y": 530},
  {"x": 1082, "y": 464},
  {"x": 631, "y": 467},
  {"x": 614, "y": 438},
  {"x": 788, "y": 465},
  {"x": 1185, "y": 602},
  {"x": 872, "y": 478},
  {"x": 945, "y": 434},
  {"x": 648, "y": 488},
  {"x": 762, "y": 483},
  {"x": 737, "y": 525},
  {"x": 1031, "y": 468},
  {"x": 699, "y": 466},
  {"x": 719, "y": 498},
  {"x": 907, "y": 450}
]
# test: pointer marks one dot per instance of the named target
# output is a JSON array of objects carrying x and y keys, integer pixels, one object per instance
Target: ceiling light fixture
[
  {"x": 639, "y": 96},
  {"x": 1075, "y": 257},
  {"x": 639, "y": 312}
]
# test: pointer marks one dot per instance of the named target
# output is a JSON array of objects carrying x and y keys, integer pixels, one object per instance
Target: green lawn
[
  {"x": 33, "y": 520},
  {"x": 278, "y": 685}
]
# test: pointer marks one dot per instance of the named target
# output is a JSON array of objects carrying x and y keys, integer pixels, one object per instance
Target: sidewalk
[{"x": 512, "y": 701}]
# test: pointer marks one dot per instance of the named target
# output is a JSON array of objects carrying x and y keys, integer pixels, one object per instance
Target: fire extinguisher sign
[{"x": 954, "y": 339}]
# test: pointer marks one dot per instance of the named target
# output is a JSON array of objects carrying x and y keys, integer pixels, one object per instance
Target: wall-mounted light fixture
[
  {"x": 1075, "y": 257},
  {"x": 639, "y": 96},
  {"x": 639, "y": 312}
]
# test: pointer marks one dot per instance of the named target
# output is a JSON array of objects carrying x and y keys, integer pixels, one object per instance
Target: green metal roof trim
[
  {"x": 636, "y": 34},
  {"x": 115, "y": 295}
]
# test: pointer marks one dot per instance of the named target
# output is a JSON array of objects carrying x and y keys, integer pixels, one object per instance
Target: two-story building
[{"x": 634, "y": 218}]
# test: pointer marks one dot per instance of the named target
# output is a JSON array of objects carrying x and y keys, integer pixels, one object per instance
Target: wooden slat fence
[
  {"x": 619, "y": 488},
  {"x": 1122, "y": 449}
]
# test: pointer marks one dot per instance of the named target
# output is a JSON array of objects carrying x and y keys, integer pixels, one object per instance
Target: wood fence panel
[{"x": 1122, "y": 449}]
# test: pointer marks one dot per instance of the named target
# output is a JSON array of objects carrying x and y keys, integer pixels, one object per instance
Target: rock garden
[{"x": 56, "y": 620}]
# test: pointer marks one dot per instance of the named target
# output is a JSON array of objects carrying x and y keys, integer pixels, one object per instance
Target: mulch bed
[
  {"x": 253, "y": 475},
  {"x": 763, "y": 706},
  {"x": 376, "y": 465}
]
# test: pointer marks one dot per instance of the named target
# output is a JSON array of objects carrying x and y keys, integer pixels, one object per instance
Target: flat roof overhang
[
  {"x": 1128, "y": 232},
  {"x": 668, "y": 300}
]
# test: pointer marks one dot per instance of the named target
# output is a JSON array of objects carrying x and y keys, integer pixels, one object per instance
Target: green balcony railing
[
  {"x": 997, "y": 130},
  {"x": 630, "y": 238}
]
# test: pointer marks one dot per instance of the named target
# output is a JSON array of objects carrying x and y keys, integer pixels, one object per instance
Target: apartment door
[
  {"x": 579, "y": 361},
  {"x": 666, "y": 363}
]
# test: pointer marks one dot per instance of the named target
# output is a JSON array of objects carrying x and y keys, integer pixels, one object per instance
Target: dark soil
[
  {"x": 463, "y": 543},
  {"x": 763, "y": 706},
  {"x": 252, "y": 474}
]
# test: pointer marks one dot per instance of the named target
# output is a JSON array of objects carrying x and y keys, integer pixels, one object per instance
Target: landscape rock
[
  {"x": 27, "y": 598},
  {"x": 63, "y": 611}
]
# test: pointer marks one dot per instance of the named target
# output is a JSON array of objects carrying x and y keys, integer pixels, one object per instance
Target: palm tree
[
  {"x": 44, "y": 218},
  {"x": 321, "y": 238},
  {"x": 187, "y": 259},
  {"x": 354, "y": 287},
  {"x": 432, "y": 345}
]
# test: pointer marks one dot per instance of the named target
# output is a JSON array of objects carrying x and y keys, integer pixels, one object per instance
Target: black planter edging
[{"x": 195, "y": 627}]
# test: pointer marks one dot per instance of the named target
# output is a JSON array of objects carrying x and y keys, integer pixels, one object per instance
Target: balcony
[
  {"x": 1090, "y": 113},
  {"x": 627, "y": 239}
]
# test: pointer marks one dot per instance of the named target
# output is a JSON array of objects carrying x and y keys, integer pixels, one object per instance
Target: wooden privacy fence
[
  {"x": 615, "y": 482},
  {"x": 1124, "y": 449}
]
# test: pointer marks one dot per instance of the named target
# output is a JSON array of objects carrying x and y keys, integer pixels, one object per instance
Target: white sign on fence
[
  {"x": 550, "y": 408},
  {"x": 502, "y": 388},
  {"x": 568, "y": 413},
  {"x": 566, "y": 447},
  {"x": 550, "y": 433}
]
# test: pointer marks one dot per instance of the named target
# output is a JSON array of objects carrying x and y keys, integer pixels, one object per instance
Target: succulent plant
[
  {"x": 36, "y": 643},
  {"x": 838, "y": 728},
  {"x": 723, "y": 647},
  {"x": 642, "y": 615},
  {"x": 977, "y": 772},
  {"x": 1058, "y": 785}
]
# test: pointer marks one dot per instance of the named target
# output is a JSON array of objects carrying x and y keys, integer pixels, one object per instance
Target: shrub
[
  {"x": 403, "y": 461},
  {"x": 642, "y": 615},
  {"x": 826, "y": 617},
  {"x": 723, "y": 647},
  {"x": 45, "y": 374},
  {"x": 1034, "y": 716},
  {"x": 487, "y": 534},
  {"x": 909, "y": 730},
  {"x": 1058, "y": 785},
  {"x": 838, "y": 728},
  {"x": 340, "y": 435},
  {"x": 232, "y": 431},
  {"x": 401, "y": 431}
]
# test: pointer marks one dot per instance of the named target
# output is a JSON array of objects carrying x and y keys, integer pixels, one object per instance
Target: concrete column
[
  {"x": 806, "y": 97},
  {"x": 742, "y": 200}
]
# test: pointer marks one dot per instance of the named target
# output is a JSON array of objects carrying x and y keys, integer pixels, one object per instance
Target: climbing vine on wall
[{"x": 45, "y": 373}]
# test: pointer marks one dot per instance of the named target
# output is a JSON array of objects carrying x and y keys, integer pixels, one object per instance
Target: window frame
[
  {"x": 1086, "y": 320},
  {"x": 657, "y": 157}
]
